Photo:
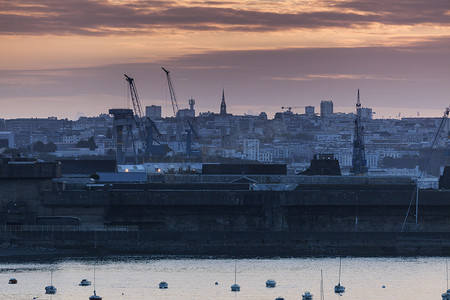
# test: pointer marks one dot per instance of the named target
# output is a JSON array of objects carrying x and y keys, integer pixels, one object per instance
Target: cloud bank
[{"x": 102, "y": 17}]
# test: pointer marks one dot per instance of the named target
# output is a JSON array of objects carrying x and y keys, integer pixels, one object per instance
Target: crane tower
[
  {"x": 173, "y": 97},
  {"x": 144, "y": 124},
  {"x": 359, "y": 156}
]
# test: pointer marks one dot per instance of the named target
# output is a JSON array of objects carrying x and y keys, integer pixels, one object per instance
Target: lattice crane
[
  {"x": 137, "y": 112},
  {"x": 189, "y": 151},
  {"x": 359, "y": 153},
  {"x": 145, "y": 125},
  {"x": 173, "y": 97}
]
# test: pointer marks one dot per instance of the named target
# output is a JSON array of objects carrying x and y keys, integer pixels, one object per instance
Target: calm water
[{"x": 138, "y": 278}]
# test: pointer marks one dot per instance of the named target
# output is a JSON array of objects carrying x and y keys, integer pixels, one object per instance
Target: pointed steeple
[
  {"x": 358, "y": 102},
  {"x": 223, "y": 106}
]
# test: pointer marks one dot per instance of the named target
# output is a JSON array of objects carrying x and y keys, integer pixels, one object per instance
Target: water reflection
[{"x": 194, "y": 278}]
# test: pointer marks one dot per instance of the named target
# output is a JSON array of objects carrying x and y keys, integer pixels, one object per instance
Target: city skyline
[{"x": 67, "y": 59}]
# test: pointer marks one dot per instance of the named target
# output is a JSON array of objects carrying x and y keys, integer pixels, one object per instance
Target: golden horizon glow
[{"x": 57, "y": 49}]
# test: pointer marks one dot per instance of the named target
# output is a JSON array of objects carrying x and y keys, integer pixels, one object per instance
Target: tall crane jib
[
  {"x": 137, "y": 112},
  {"x": 144, "y": 125},
  {"x": 173, "y": 97}
]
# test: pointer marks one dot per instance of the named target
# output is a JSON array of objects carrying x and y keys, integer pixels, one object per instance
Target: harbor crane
[
  {"x": 189, "y": 151},
  {"x": 180, "y": 126},
  {"x": 173, "y": 97},
  {"x": 415, "y": 194},
  {"x": 144, "y": 124}
]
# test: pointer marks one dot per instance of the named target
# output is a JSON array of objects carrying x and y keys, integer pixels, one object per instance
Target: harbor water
[{"x": 120, "y": 278}]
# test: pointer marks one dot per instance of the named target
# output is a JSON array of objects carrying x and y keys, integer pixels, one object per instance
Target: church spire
[{"x": 223, "y": 106}]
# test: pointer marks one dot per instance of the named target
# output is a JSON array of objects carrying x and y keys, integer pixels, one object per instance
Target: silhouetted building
[
  {"x": 153, "y": 112},
  {"x": 326, "y": 108},
  {"x": 323, "y": 164},
  {"x": 309, "y": 110},
  {"x": 187, "y": 112},
  {"x": 366, "y": 113}
]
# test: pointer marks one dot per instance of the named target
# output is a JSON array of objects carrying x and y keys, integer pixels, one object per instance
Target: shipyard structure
[{"x": 240, "y": 209}]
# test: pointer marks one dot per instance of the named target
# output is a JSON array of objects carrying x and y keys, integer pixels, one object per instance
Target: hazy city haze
[{"x": 67, "y": 58}]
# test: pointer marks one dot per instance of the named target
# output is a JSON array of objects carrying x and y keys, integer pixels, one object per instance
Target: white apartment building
[
  {"x": 346, "y": 159},
  {"x": 251, "y": 149},
  {"x": 265, "y": 157}
]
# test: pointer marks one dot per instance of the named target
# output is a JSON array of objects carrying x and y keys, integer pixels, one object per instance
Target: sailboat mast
[
  {"x": 340, "y": 261},
  {"x": 417, "y": 200},
  {"x": 446, "y": 267},
  {"x": 322, "y": 297},
  {"x": 94, "y": 280},
  {"x": 235, "y": 272}
]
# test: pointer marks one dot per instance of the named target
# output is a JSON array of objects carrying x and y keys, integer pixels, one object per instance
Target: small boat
[
  {"x": 279, "y": 298},
  {"x": 51, "y": 289},
  {"x": 307, "y": 296},
  {"x": 84, "y": 282},
  {"x": 95, "y": 297},
  {"x": 270, "y": 283},
  {"x": 235, "y": 287},
  {"x": 12, "y": 281},
  {"x": 163, "y": 285},
  {"x": 339, "y": 288},
  {"x": 446, "y": 295}
]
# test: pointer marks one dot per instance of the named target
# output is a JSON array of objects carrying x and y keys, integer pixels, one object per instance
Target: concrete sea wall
[{"x": 314, "y": 216}]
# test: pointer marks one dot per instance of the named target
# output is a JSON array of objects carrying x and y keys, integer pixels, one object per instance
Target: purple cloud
[{"x": 87, "y": 17}]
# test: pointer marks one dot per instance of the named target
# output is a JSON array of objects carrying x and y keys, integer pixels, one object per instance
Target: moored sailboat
[
  {"x": 51, "y": 289},
  {"x": 235, "y": 287},
  {"x": 339, "y": 288},
  {"x": 95, "y": 296}
]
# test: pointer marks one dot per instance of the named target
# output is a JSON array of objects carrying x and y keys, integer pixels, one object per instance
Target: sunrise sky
[{"x": 67, "y": 58}]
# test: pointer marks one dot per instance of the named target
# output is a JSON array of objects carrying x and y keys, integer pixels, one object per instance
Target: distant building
[
  {"x": 366, "y": 113},
  {"x": 6, "y": 140},
  {"x": 326, "y": 108},
  {"x": 309, "y": 110},
  {"x": 187, "y": 113},
  {"x": 51, "y": 124},
  {"x": 22, "y": 140},
  {"x": 265, "y": 157},
  {"x": 251, "y": 149},
  {"x": 153, "y": 112}
]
